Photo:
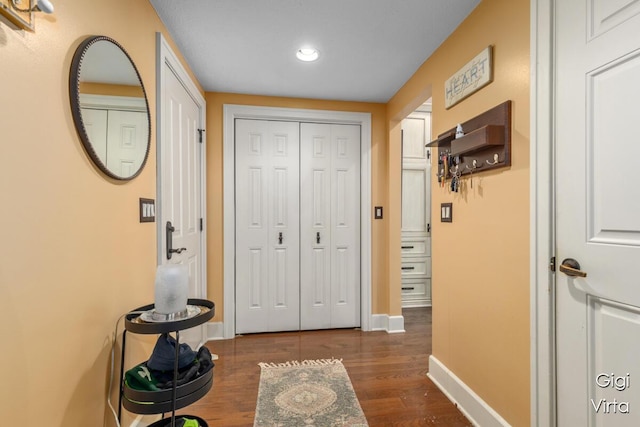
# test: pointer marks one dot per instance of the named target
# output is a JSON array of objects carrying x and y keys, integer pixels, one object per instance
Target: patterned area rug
[{"x": 311, "y": 393}]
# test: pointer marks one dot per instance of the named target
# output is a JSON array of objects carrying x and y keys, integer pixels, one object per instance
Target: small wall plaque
[{"x": 475, "y": 75}]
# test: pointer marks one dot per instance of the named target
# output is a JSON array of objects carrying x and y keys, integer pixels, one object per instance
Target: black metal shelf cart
[{"x": 164, "y": 401}]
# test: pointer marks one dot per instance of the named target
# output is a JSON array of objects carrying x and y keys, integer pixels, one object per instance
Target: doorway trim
[
  {"x": 542, "y": 223},
  {"x": 232, "y": 112},
  {"x": 166, "y": 56}
]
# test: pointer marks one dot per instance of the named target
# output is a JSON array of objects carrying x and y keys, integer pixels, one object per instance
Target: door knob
[{"x": 571, "y": 267}]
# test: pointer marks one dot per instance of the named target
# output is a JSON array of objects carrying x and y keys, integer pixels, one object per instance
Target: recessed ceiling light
[{"x": 307, "y": 54}]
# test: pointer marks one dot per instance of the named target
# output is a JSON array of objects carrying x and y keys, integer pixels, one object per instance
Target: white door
[
  {"x": 330, "y": 226},
  {"x": 95, "y": 124},
  {"x": 180, "y": 198},
  {"x": 127, "y": 137},
  {"x": 267, "y": 226},
  {"x": 597, "y": 91}
]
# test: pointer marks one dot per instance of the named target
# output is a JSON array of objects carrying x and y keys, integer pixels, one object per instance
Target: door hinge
[
  {"x": 428, "y": 154},
  {"x": 201, "y": 224},
  {"x": 552, "y": 264},
  {"x": 429, "y": 228},
  {"x": 200, "y": 132}
]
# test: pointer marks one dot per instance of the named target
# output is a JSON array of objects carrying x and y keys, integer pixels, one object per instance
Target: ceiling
[{"x": 368, "y": 48}]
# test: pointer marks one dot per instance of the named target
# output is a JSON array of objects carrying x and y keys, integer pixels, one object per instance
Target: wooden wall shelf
[
  {"x": 478, "y": 140},
  {"x": 486, "y": 136}
]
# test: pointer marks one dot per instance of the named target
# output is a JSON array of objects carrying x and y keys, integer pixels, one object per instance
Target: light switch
[
  {"x": 446, "y": 212},
  {"x": 147, "y": 210},
  {"x": 377, "y": 212}
]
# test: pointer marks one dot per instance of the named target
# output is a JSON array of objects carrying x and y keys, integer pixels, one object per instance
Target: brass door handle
[{"x": 571, "y": 267}]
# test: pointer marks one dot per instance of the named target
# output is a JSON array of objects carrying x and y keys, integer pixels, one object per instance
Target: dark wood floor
[{"x": 388, "y": 372}]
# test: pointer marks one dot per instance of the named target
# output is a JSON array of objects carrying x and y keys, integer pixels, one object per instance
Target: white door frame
[
  {"x": 165, "y": 55},
  {"x": 542, "y": 223},
  {"x": 232, "y": 112}
]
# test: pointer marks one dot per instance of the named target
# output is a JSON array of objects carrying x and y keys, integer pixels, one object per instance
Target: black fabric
[
  {"x": 200, "y": 365},
  {"x": 164, "y": 354}
]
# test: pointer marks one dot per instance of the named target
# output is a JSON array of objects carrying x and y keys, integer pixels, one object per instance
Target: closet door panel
[
  {"x": 414, "y": 200},
  {"x": 330, "y": 226},
  {"x": 345, "y": 230},
  {"x": 267, "y": 226},
  {"x": 126, "y": 141},
  {"x": 315, "y": 217}
]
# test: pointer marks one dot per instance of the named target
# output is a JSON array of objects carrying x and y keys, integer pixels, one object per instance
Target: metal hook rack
[
  {"x": 475, "y": 165},
  {"x": 496, "y": 160}
]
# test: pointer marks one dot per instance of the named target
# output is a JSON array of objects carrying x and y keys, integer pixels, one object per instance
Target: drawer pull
[
  {"x": 407, "y": 247},
  {"x": 408, "y": 268},
  {"x": 408, "y": 289}
]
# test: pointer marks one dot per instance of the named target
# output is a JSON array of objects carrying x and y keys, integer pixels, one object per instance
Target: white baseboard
[
  {"x": 468, "y": 402},
  {"x": 415, "y": 303},
  {"x": 215, "y": 331},
  {"x": 384, "y": 322},
  {"x": 144, "y": 420},
  {"x": 380, "y": 322}
]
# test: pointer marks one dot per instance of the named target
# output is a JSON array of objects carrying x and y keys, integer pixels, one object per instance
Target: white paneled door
[
  {"x": 330, "y": 226},
  {"x": 297, "y": 226},
  {"x": 127, "y": 137},
  {"x": 180, "y": 198},
  {"x": 598, "y": 212},
  {"x": 267, "y": 226}
]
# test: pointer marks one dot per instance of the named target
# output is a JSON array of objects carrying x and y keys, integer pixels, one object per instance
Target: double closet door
[{"x": 297, "y": 226}]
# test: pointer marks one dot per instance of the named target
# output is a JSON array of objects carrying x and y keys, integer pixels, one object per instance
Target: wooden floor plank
[{"x": 388, "y": 373}]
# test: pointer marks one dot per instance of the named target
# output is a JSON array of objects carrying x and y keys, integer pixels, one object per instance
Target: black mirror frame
[{"x": 74, "y": 97}]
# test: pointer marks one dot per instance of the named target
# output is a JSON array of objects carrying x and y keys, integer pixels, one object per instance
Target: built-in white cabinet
[{"x": 416, "y": 210}]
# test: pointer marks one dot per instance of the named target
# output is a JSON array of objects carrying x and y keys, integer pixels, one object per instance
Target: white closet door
[
  {"x": 95, "y": 123},
  {"x": 127, "y": 138},
  {"x": 267, "y": 226},
  {"x": 330, "y": 226}
]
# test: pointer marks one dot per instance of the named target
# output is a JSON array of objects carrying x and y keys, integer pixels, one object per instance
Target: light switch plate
[
  {"x": 446, "y": 212},
  {"x": 377, "y": 212},
  {"x": 147, "y": 210}
]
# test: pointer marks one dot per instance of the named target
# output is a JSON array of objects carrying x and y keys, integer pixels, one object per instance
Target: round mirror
[{"x": 109, "y": 107}]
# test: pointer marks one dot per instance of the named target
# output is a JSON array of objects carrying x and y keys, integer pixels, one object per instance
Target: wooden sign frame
[
  {"x": 472, "y": 77},
  {"x": 23, "y": 20}
]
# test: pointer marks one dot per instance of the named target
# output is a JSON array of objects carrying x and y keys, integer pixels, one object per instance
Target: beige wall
[
  {"x": 481, "y": 260},
  {"x": 113, "y": 90},
  {"x": 215, "y": 102},
  {"x": 73, "y": 257}
]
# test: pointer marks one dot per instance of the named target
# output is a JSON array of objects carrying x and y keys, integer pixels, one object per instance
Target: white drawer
[
  {"x": 416, "y": 267},
  {"x": 416, "y": 291},
  {"x": 416, "y": 247}
]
